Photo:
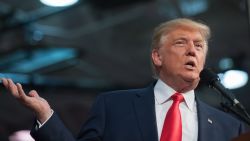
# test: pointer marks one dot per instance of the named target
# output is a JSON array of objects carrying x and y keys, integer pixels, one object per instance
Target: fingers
[
  {"x": 5, "y": 83},
  {"x": 8, "y": 84},
  {"x": 12, "y": 87},
  {"x": 15, "y": 89},
  {"x": 20, "y": 91}
]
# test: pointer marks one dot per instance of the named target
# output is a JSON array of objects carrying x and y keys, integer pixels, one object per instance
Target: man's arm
[
  {"x": 92, "y": 130},
  {"x": 32, "y": 101},
  {"x": 52, "y": 128}
]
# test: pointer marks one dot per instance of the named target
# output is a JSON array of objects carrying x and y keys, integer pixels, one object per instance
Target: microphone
[{"x": 213, "y": 81}]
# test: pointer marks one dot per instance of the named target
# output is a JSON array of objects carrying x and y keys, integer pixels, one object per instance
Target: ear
[{"x": 156, "y": 58}]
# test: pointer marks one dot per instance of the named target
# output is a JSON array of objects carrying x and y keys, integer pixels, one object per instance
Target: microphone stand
[
  {"x": 226, "y": 93},
  {"x": 229, "y": 107},
  {"x": 213, "y": 81}
]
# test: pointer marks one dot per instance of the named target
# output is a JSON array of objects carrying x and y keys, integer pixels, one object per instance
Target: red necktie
[{"x": 172, "y": 128}]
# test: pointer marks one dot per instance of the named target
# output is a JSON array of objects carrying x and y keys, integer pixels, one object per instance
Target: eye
[
  {"x": 199, "y": 45},
  {"x": 180, "y": 42}
]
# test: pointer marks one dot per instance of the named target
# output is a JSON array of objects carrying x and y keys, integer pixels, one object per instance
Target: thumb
[{"x": 33, "y": 93}]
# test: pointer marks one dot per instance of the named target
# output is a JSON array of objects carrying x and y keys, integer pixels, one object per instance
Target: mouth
[{"x": 190, "y": 65}]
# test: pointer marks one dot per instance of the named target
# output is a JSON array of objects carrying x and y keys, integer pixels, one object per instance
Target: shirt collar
[{"x": 163, "y": 92}]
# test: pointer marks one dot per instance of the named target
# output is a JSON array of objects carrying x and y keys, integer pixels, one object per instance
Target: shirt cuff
[{"x": 41, "y": 124}]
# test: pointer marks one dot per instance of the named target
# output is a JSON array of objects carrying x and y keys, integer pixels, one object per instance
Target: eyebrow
[
  {"x": 199, "y": 41},
  {"x": 180, "y": 38},
  {"x": 184, "y": 38}
]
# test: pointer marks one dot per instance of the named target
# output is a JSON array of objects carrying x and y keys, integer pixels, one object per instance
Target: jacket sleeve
[
  {"x": 93, "y": 129},
  {"x": 52, "y": 130}
]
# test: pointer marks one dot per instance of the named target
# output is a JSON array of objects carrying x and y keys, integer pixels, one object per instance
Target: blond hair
[{"x": 166, "y": 27}]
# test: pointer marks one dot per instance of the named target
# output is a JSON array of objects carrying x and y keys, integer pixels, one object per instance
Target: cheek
[{"x": 201, "y": 63}]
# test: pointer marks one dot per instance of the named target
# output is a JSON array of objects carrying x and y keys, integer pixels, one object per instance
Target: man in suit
[{"x": 179, "y": 49}]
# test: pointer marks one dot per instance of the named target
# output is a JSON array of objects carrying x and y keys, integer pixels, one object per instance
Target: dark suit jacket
[{"x": 129, "y": 115}]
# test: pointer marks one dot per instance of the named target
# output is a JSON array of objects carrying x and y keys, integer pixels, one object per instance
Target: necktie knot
[{"x": 177, "y": 97}]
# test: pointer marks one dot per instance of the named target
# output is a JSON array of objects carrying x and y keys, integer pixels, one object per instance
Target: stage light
[
  {"x": 233, "y": 79},
  {"x": 59, "y": 3}
]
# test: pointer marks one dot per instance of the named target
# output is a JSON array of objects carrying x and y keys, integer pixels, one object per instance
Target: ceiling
[
  {"x": 102, "y": 45},
  {"x": 73, "y": 53}
]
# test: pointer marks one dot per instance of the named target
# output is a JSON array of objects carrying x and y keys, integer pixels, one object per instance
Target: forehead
[{"x": 185, "y": 33}]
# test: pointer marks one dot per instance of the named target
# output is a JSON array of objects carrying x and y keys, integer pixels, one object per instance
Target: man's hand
[{"x": 32, "y": 101}]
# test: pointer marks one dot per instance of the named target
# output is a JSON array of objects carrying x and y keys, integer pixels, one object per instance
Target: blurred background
[{"x": 70, "y": 54}]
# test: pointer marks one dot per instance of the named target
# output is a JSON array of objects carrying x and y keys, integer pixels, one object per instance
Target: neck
[{"x": 181, "y": 86}]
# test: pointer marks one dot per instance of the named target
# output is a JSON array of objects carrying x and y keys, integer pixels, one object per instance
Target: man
[{"x": 178, "y": 54}]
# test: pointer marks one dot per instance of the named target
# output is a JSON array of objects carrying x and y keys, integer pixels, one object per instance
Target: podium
[{"x": 243, "y": 137}]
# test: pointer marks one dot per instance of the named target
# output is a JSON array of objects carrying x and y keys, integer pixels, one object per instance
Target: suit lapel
[
  {"x": 206, "y": 122},
  {"x": 145, "y": 111}
]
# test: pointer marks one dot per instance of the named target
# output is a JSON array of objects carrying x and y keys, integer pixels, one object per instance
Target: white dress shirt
[
  {"x": 162, "y": 93},
  {"x": 41, "y": 124}
]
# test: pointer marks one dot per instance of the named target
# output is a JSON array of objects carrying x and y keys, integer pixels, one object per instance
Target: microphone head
[{"x": 208, "y": 76}]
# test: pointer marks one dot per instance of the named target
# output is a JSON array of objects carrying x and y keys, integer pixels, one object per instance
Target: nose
[{"x": 190, "y": 51}]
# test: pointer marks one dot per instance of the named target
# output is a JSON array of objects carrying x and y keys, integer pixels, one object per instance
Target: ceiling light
[{"x": 59, "y": 3}]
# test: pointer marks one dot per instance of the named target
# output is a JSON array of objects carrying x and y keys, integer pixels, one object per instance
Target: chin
[{"x": 191, "y": 78}]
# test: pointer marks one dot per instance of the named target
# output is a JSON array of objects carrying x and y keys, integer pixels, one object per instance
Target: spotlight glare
[{"x": 233, "y": 79}]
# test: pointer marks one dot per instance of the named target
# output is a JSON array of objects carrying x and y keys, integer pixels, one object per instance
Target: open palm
[{"x": 32, "y": 101}]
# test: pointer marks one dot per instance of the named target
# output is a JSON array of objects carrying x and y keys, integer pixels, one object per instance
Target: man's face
[{"x": 181, "y": 55}]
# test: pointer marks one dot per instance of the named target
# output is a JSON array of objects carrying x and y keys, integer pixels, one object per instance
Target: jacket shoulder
[{"x": 123, "y": 93}]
